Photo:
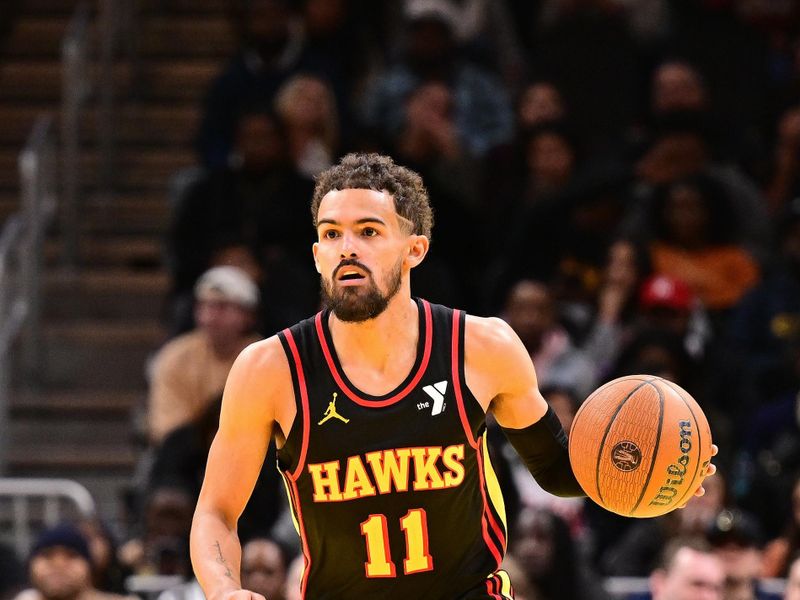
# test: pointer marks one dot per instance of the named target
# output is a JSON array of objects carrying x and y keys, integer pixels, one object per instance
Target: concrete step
[
  {"x": 151, "y": 124},
  {"x": 100, "y": 404},
  {"x": 99, "y": 354},
  {"x": 39, "y": 80},
  {"x": 160, "y": 35},
  {"x": 170, "y": 35},
  {"x": 189, "y": 7},
  {"x": 138, "y": 168},
  {"x": 38, "y": 36},
  {"x": 48, "y": 459},
  {"x": 135, "y": 251},
  {"x": 104, "y": 294},
  {"x": 128, "y": 213},
  {"x": 66, "y": 431}
]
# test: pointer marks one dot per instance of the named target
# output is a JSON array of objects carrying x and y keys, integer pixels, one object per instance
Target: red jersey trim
[
  {"x": 487, "y": 519},
  {"x": 455, "y": 358},
  {"x": 295, "y": 499},
  {"x": 301, "y": 378},
  {"x": 350, "y": 393}
]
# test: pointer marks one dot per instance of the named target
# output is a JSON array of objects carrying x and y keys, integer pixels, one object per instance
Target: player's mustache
[{"x": 351, "y": 262}]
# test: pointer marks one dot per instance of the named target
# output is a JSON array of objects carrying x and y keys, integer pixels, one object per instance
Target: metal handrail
[
  {"x": 21, "y": 253},
  {"x": 76, "y": 86},
  {"x": 22, "y": 491},
  {"x": 37, "y": 169},
  {"x": 118, "y": 35}
]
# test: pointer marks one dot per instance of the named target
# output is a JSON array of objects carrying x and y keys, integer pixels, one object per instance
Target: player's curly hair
[{"x": 380, "y": 173}]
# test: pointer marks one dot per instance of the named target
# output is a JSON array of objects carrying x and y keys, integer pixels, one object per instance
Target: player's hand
[
  {"x": 241, "y": 595},
  {"x": 710, "y": 470}
]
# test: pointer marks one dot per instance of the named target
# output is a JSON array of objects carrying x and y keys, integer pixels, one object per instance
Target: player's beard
[{"x": 360, "y": 303}]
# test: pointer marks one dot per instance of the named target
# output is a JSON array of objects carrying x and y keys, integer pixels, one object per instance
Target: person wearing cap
[
  {"x": 190, "y": 371},
  {"x": 60, "y": 567}
]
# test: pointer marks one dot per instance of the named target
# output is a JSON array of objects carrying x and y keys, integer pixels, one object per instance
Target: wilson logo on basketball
[{"x": 626, "y": 456}]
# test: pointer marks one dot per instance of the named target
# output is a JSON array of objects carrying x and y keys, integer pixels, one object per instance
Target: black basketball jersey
[{"x": 393, "y": 496}]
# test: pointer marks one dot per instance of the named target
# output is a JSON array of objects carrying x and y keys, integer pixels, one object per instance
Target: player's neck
[{"x": 380, "y": 341}]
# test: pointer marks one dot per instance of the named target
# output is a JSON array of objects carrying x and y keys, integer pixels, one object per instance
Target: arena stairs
[{"x": 102, "y": 321}]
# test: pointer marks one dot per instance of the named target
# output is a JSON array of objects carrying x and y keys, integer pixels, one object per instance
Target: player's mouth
[{"x": 350, "y": 276}]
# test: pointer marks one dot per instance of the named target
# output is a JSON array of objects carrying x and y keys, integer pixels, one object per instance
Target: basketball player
[{"x": 377, "y": 405}]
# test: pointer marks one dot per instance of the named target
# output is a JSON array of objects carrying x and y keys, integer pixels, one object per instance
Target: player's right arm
[{"x": 258, "y": 395}]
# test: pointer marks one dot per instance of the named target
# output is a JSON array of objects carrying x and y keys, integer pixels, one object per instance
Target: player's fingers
[
  {"x": 701, "y": 491},
  {"x": 711, "y": 469},
  {"x": 714, "y": 449}
]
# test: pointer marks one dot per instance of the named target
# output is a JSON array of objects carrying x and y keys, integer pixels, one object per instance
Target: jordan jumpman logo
[{"x": 331, "y": 412}]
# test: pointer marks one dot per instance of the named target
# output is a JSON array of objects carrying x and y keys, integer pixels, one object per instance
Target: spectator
[
  {"x": 689, "y": 570},
  {"x": 429, "y": 143},
  {"x": 530, "y": 311},
  {"x": 785, "y": 181},
  {"x": 681, "y": 147},
  {"x": 180, "y": 461},
  {"x": 615, "y": 314},
  {"x": 60, "y": 567},
  {"x": 108, "y": 574},
  {"x": 258, "y": 202},
  {"x": 190, "y": 371},
  {"x": 481, "y": 109},
  {"x": 272, "y": 50},
  {"x": 307, "y": 108},
  {"x": 540, "y": 103},
  {"x": 638, "y": 550},
  {"x": 12, "y": 576},
  {"x": 293, "y": 578},
  {"x": 163, "y": 546},
  {"x": 697, "y": 241},
  {"x": 264, "y": 566},
  {"x": 780, "y": 552},
  {"x": 550, "y": 559},
  {"x": 677, "y": 86},
  {"x": 793, "y": 581},
  {"x": 587, "y": 50},
  {"x": 551, "y": 159},
  {"x": 737, "y": 540}
]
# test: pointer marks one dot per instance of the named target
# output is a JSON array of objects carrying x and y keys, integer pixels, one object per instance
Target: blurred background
[{"x": 618, "y": 179}]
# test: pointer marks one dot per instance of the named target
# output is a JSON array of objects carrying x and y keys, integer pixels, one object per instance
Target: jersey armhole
[
  {"x": 300, "y": 426},
  {"x": 462, "y": 391}
]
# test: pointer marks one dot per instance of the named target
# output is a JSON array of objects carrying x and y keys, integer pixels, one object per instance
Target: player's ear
[
  {"x": 314, "y": 249},
  {"x": 418, "y": 248}
]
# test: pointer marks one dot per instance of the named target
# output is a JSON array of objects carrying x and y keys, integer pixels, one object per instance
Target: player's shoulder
[
  {"x": 489, "y": 334},
  {"x": 263, "y": 359}
]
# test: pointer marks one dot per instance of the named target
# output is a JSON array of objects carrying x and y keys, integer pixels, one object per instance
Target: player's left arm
[{"x": 500, "y": 374}]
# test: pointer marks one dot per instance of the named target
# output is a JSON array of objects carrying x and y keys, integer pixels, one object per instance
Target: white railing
[
  {"x": 21, "y": 250},
  {"x": 59, "y": 499},
  {"x": 75, "y": 90}
]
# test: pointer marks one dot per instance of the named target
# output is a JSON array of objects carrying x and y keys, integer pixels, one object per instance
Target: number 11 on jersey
[{"x": 379, "y": 561}]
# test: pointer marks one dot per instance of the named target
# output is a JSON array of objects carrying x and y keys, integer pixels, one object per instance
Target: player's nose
[{"x": 347, "y": 249}]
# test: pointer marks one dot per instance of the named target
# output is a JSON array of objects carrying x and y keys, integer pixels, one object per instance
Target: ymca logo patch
[{"x": 436, "y": 392}]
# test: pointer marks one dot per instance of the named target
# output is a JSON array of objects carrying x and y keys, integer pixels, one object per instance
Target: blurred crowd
[{"x": 617, "y": 179}]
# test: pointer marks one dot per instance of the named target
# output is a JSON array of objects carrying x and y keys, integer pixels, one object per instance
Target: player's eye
[
  {"x": 330, "y": 234},
  {"x": 369, "y": 232}
]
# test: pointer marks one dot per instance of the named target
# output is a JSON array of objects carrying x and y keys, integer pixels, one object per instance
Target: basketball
[{"x": 639, "y": 446}]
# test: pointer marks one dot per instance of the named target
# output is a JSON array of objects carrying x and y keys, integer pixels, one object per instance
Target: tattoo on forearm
[{"x": 221, "y": 560}]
